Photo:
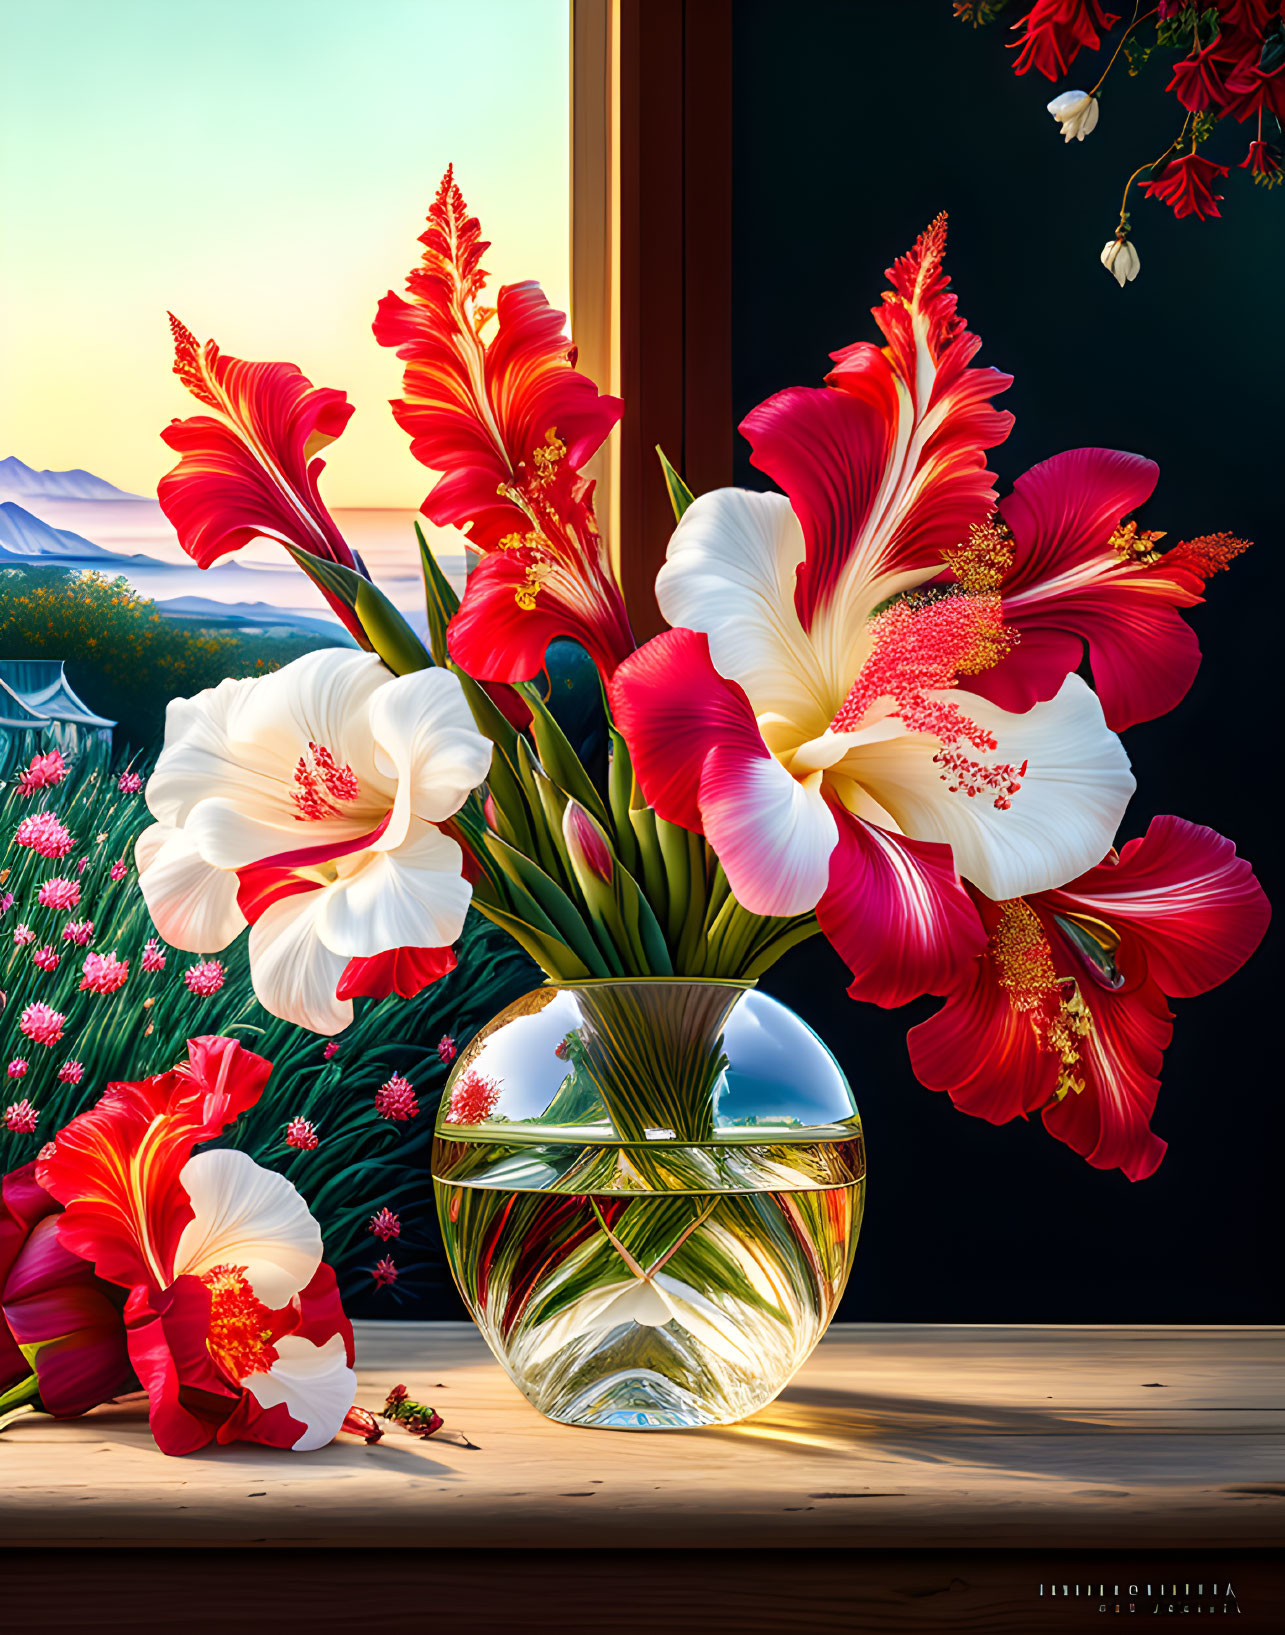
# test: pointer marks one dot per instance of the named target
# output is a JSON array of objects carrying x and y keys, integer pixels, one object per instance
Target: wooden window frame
[{"x": 651, "y": 272}]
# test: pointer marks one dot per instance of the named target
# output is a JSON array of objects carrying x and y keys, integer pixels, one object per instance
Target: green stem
[{"x": 17, "y": 1395}]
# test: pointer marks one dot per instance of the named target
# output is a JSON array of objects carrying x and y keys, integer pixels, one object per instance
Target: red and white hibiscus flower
[
  {"x": 511, "y": 423},
  {"x": 233, "y": 1321},
  {"x": 808, "y": 713},
  {"x": 309, "y": 804},
  {"x": 1065, "y": 1012}
]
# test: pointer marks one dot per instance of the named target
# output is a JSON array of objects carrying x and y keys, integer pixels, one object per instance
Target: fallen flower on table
[{"x": 415, "y": 1417}]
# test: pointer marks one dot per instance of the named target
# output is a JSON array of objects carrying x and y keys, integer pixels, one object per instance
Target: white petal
[
  {"x": 772, "y": 834},
  {"x": 226, "y": 773},
  {"x": 641, "y": 1302},
  {"x": 192, "y": 905},
  {"x": 729, "y": 572},
  {"x": 1062, "y": 820},
  {"x": 414, "y": 897},
  {"x": 427, "y": 745},
  {"x": 249, "y": 1217},
  {"x": 295, "y": 975},
  {"x": 1066, "y": 103},
  {"x": 313, "y": 1381}
]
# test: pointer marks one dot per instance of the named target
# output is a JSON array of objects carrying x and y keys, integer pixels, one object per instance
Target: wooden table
[{"x": 937, "y": 1440}]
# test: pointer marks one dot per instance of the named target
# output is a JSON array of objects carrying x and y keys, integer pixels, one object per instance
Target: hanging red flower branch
[{"x": 1230, "y": 62}]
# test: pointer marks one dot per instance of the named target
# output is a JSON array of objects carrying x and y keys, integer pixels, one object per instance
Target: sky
[{"x": 262, "y": 168}]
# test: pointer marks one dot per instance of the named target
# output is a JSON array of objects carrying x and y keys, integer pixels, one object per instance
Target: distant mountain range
[
  {"x": 20, "y": 482},
  {"x": 209, "y": 612},
  {"x": 27, "y": 541}
]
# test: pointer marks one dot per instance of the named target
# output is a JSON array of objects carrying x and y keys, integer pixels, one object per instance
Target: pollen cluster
[
  {"x": 1134, "y": 546},
  {"x": 1058, "y": 1015},
  {"x": 240, "y": 1332},
  {"x": 925, "y": 644},
  {"x": 982, "y": 564},
  {"x": 321, "y": 782}
]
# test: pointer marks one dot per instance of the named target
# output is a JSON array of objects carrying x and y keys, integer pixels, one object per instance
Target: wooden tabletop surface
[{"x": 891, "y": 1436}]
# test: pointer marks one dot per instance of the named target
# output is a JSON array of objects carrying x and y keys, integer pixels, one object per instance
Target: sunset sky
[{"x": 262, "y": 167}]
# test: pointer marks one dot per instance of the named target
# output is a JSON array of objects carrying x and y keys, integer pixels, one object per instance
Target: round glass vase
[{"x": 650, "y": 1191}]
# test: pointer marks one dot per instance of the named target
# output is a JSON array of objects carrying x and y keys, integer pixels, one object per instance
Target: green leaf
[
  {"x": 388, "y": 633},
  {"x": 558, "y": 758},
  {"x": 564, "y": 917},
  {"x": 673, "y": 849},
  {"x": 620, "y": 787},
  {"x": 549, "y": 953},
  {"x": 440, "y": 599},
  {"x": 680, "y": 496}
]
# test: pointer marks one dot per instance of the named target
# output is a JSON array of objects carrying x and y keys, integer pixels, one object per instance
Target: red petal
[
  {"x": 897, "y": 914},
  {"x": 116, "y": 1167},
  {"x": 1068, "y": 585},
  {"x": 673, "y": 708},
  {"x": 403, "y": 971},
  {"x": 1189, "y": 903},
  {"x": 1108, "y": 1121},
  {"x": 875, "y": 492}
]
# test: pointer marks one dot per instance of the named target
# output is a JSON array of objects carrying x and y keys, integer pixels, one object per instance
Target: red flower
[
  {"x": 41, "y": 1023},
  {"x": 57, "y": 1320},
  {"x": 104, "y": 973},
  {"x": 1065, "y": 1012},
  {"x": 248, "y": 469},
  {"x": 20, "y": 1117},
  {"x": 511, "y": 424},
  {"x": 385, "y": 1272},
  {"x": 233, "y": 1320},
  {"x": 396, "y": 1100},
  {"x": 473, "y": 1100},
  {"x": 1263, "y": 161},
  {"x": 1186, "y": 184},
  {"x": 1055, "y": 30},
  {"x": 1074, "y": 574},
  {"x": 385, "y": 1225},
  {"x": 43, "y": 772},
  {"x": 205, "y": 978},
  {"x": 301, "y": 1133},
  {"x": 1198, "y": 80},
  {"x": 45, "y": 834},
  {"x": 446, "y": 1049}
]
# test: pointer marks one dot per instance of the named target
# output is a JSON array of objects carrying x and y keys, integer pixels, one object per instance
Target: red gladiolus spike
[
  {"x": 510, "y": 423},
  {"x": 249, "y": 469}
]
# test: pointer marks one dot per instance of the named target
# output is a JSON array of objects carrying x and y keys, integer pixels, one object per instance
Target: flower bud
[
  {"x": 587, "y": 846},
  {"x": 1120, "y": 259},
  {"x": 1076, "y": 112}
]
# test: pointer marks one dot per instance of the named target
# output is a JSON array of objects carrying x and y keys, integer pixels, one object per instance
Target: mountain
[
  {"x": 206, "y": 610},
  {"x": 25, "y": 539},
  {"x": 19, "y": 481}
]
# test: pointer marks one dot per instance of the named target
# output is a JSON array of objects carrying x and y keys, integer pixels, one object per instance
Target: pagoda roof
[{"x": 35, "y": 692}]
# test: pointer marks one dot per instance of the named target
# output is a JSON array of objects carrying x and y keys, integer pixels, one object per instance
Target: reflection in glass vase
[{"x": 650, "y": 1193}]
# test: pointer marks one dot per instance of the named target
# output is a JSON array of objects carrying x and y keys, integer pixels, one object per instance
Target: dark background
[{"x": 854, "y": 125}]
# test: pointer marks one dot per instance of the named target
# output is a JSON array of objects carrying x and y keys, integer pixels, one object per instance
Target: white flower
[
  {"x": 1120, "y": 259},
  {"x": 307, "y": 803},
  {"x": 1076, "y": 112}
]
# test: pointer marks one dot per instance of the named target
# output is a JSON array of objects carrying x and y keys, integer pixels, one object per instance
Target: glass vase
[{"x": 650, "y": 1191}]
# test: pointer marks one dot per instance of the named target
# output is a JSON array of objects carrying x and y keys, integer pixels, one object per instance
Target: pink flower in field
[
  {"x": 41, "y": 1024},
  {"x": 71, "y": 1073},
  {"x": 45, "y": 958},
  {"x": 153, "y": 958},
  {"x": 332, "y": 1049},
  {"x": 43, "y": 773},
  {"x": 58, "y": 893},
  {"x": 205, "y": 978},
  {"x": 472, "y": 1100},
  {"x": 20, "y": 1117},
  {"x": 18, "y": 1068},
  {"x": 302, "y": 1134},
  {"x": 385, "y": 1225},
  {"x": 44, "y": 833},
  {"x": 396, "y": 1100},
  {"x": 384, "y": 1273},
  {"x": 129, "y": 783},
  {"x": 82, "y": 865},
  {"x": 104, "y": 973},
  {"x": 78, "y": 931},
  {"x": 6, "y": 902},
  {"x": 23, "y": 934},
  {"x": 446, "y": 1048},
  {"x": 118, "y": 870}
]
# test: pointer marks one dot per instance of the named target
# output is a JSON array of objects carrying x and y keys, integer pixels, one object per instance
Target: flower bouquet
[{"x": 867, "y": 721}]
